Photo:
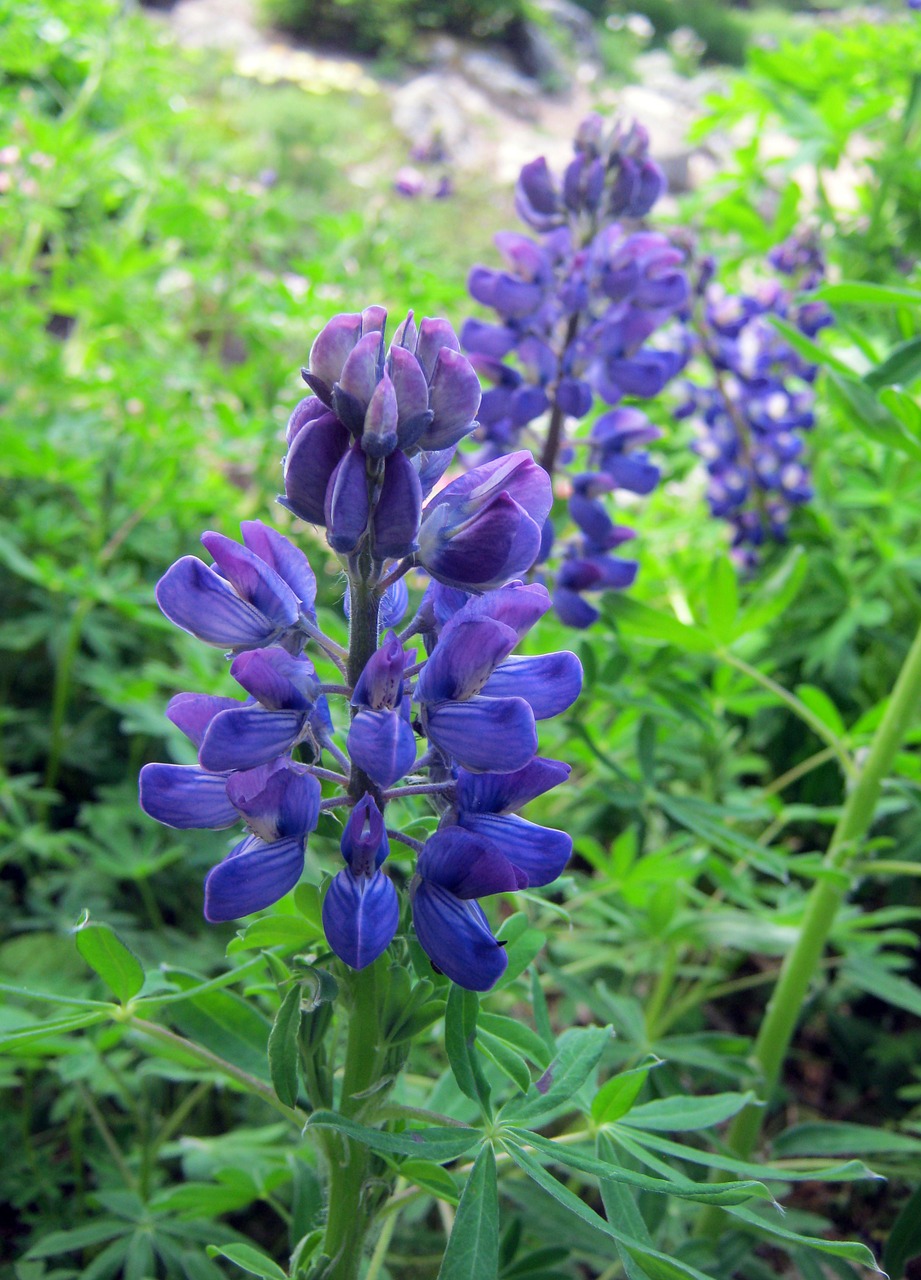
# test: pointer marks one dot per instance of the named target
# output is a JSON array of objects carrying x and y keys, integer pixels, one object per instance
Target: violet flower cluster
[
  {"x": 757, "y": 402},
  {"x": 455, "y": 723},
  {"x": 576, "y": 306}
]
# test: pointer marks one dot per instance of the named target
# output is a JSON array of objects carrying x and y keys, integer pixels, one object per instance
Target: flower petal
[
  {"x": 540, "y": 852},
  {"x": 245, "y": 737},
  {"x": 360, "y": 916},
  {"x": 457, "y": 939},
  {"x": 186, "y": 797},
  {"x": 280, "y": 554},
  {"x": 254, "y": 875},
  {"x": 193, "y": 712},
  {"x": 201, "y": 602},
  {"x": 466, "y": 865},
  {"x": 549, "y": 683},
  {"x": 382, "y": 744},
  {"x": 253, "y": 579},
  {"x": 505, "y": 792},
  {"x": 485, "y": 735}
]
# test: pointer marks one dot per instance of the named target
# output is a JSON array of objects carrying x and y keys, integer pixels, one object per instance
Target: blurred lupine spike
[
  {"x": 756, "y": 401},
  {"x": 575, "y": 308},
  {"x": 364, "y": 453}
]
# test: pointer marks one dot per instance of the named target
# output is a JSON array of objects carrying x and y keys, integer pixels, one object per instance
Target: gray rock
[{"x": 495, "y": 74}]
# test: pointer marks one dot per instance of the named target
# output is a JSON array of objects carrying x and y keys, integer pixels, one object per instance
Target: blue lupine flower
[
  {"x": 575, "y": 310},
  {"x": 455, "y": 868},
  {"x": 279, "y": 802},
  {"x": 477, "y": 704},
  {"x": 287, "y": 709},
  {"x": 751, "y": 417},
  {"x": 361, "y": 910},
  {"x": 381, "y": 740},
  {"x": 485, "y": 527},
  {"x": 365, "y": 453},
  {"x": 256, "y": 594}
]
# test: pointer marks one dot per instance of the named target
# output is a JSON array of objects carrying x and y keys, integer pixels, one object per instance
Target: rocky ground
[{"x": 487, "y": 114}]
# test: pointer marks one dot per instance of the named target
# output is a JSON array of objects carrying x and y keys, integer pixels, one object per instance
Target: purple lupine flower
[
  {"x": 381, "y": 740},
  {"x": 285, "y": 708},
  {"x": 575, "y": 310},
  {"x": 279, "y": 802},
  {"x": 366, "y": 453},
  {"x": 256, "y": 594},
  {"x": 478, "y": 705},
  {"x": 361, "y": 910},
  {"x": 485, "y": 527},
  {"x": 758, "y": 401},
  {"x": 454, "y": 869}
]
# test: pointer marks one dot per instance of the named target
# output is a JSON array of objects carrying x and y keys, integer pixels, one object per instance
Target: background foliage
[{"x": 171, "y": 237}]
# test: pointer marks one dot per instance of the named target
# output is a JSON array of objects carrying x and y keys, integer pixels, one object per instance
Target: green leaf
[
  {"x": 617, "y": 1095},
  {"x": 289, "y": 933},
  {"x": 839, "y": 1139},
  {"x": 574, "y": 1204},
  {"x": 431, "y": 1176},
  {"x": 904, "y": 407},
  {"x": 473, "y": 1246},
  {"x": 809, "y": 349},
  {"x": 851, "y": 1251},
  {"x": 873, "y": 418},
  {"x": 651, "y": 624},
  {"x": 224, "y": 1023},
  {"x": 673, "y": 1115},
  {"x": 850, "y": 1171},
  {"x": 508, "y": 1060},
  {"x": 776, "y": 594},
  {"x": 78, "y": 1238},
  {"x": 867, "y": 295},
  {"x": 438, "y": 1144},
  {"x": 904, "y": 1241},
  {"x": 726, "y": 1193},
  {"x": 523, "y": 944},
  {"x": 108, "y": 956},
  {"x": 249, "y": 1258},
  {"x": 900, "y": 368},
  {"x": 518, "y": 1034},
  {"x": 877, "y": 981},
  {"x": 283, "y": 1046},
  {"x": 722, "y": 597},
  {"x": 460, "y": 1043},
  {"x": 821, "y": 705},
  {"x": 579, "y": 1051},
  {"x": 21, "y": 1037}
]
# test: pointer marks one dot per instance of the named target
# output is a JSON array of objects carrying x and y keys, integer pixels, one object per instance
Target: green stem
[
  {"x": 799, "y": 966},
  {"x": 248, "y": 1082},
  {"x": 347, "y": 1215},
  {"x": 660, "y": 995},
  {"x": 818, "y": 727},
  {"x": 62, "y": 683}
]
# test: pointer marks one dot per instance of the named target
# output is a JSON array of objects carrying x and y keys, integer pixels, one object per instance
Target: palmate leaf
[
  {"x": 250, "y": 1259},
  {"x": 637, "y": 1248}
]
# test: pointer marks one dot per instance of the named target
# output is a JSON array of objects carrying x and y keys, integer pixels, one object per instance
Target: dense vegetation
[{"x": 172, "y": 239}]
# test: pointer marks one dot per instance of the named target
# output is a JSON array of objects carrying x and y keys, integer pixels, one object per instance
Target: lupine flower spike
[
  {"x": 365, "y": 453},
  {"x": 576, "y": 306},
  {"x": 756, "y": 402}
]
